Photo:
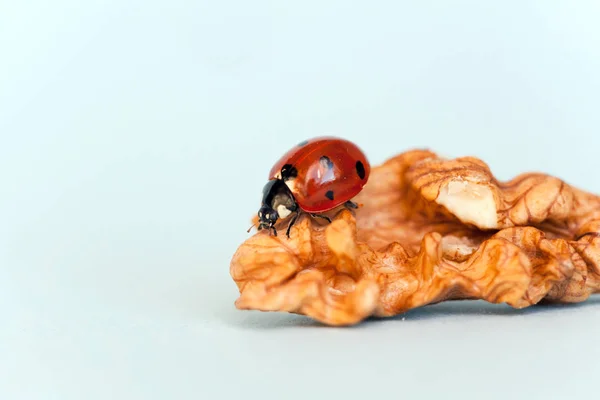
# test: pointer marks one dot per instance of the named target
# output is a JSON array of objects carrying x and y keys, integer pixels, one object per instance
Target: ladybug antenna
[{"x": 249, "y": 229}]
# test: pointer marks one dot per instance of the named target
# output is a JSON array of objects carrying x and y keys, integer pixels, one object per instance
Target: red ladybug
[{"x": 315, "y": 176}]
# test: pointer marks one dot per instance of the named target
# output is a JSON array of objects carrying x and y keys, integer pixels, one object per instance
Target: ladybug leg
[
  {"x": 274, "y": 231},
  {"x": 325, "y": 217},
  {"x": 351, "y": 205},
  {"x": 292, "y": 222}
]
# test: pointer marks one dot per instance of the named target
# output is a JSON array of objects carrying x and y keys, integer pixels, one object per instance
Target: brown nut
[{"x": 429, "y": 230}]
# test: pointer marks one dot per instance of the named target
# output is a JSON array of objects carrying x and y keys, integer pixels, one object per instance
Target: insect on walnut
[{"x": 428, "y": 230}]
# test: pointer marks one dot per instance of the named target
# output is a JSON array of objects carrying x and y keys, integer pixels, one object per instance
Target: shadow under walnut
[{"x": 428, "y": 230}]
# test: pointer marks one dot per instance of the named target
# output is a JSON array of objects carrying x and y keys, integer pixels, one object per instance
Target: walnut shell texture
[{"x": 428, "y": 229}]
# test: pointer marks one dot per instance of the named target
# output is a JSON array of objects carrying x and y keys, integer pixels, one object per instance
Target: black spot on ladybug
[
  {"x": 360, "y": 170},
  {"x": 303, "y": 143},
  {"x": 329, "y": 194},
  {"x": 288, "y": 171},
  {"x": 326, "y": 162}
]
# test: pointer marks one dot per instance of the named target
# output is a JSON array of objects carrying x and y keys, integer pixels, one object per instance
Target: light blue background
[{"x": 135, "y": 138}]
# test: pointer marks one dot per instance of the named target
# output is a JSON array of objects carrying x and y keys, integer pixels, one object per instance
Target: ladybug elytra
[{"x": 315, "y": 176}]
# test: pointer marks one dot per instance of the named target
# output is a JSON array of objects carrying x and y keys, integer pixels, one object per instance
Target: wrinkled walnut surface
[{"x": 428, "y": 230}]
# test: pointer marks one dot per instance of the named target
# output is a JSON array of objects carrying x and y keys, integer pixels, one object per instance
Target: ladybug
[{"x": 315, "y": 176}]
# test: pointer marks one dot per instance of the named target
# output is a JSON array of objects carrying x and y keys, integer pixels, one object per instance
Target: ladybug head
[
  {"x": 267, "y": 217},
  {"x": 277, "y": 203}
]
